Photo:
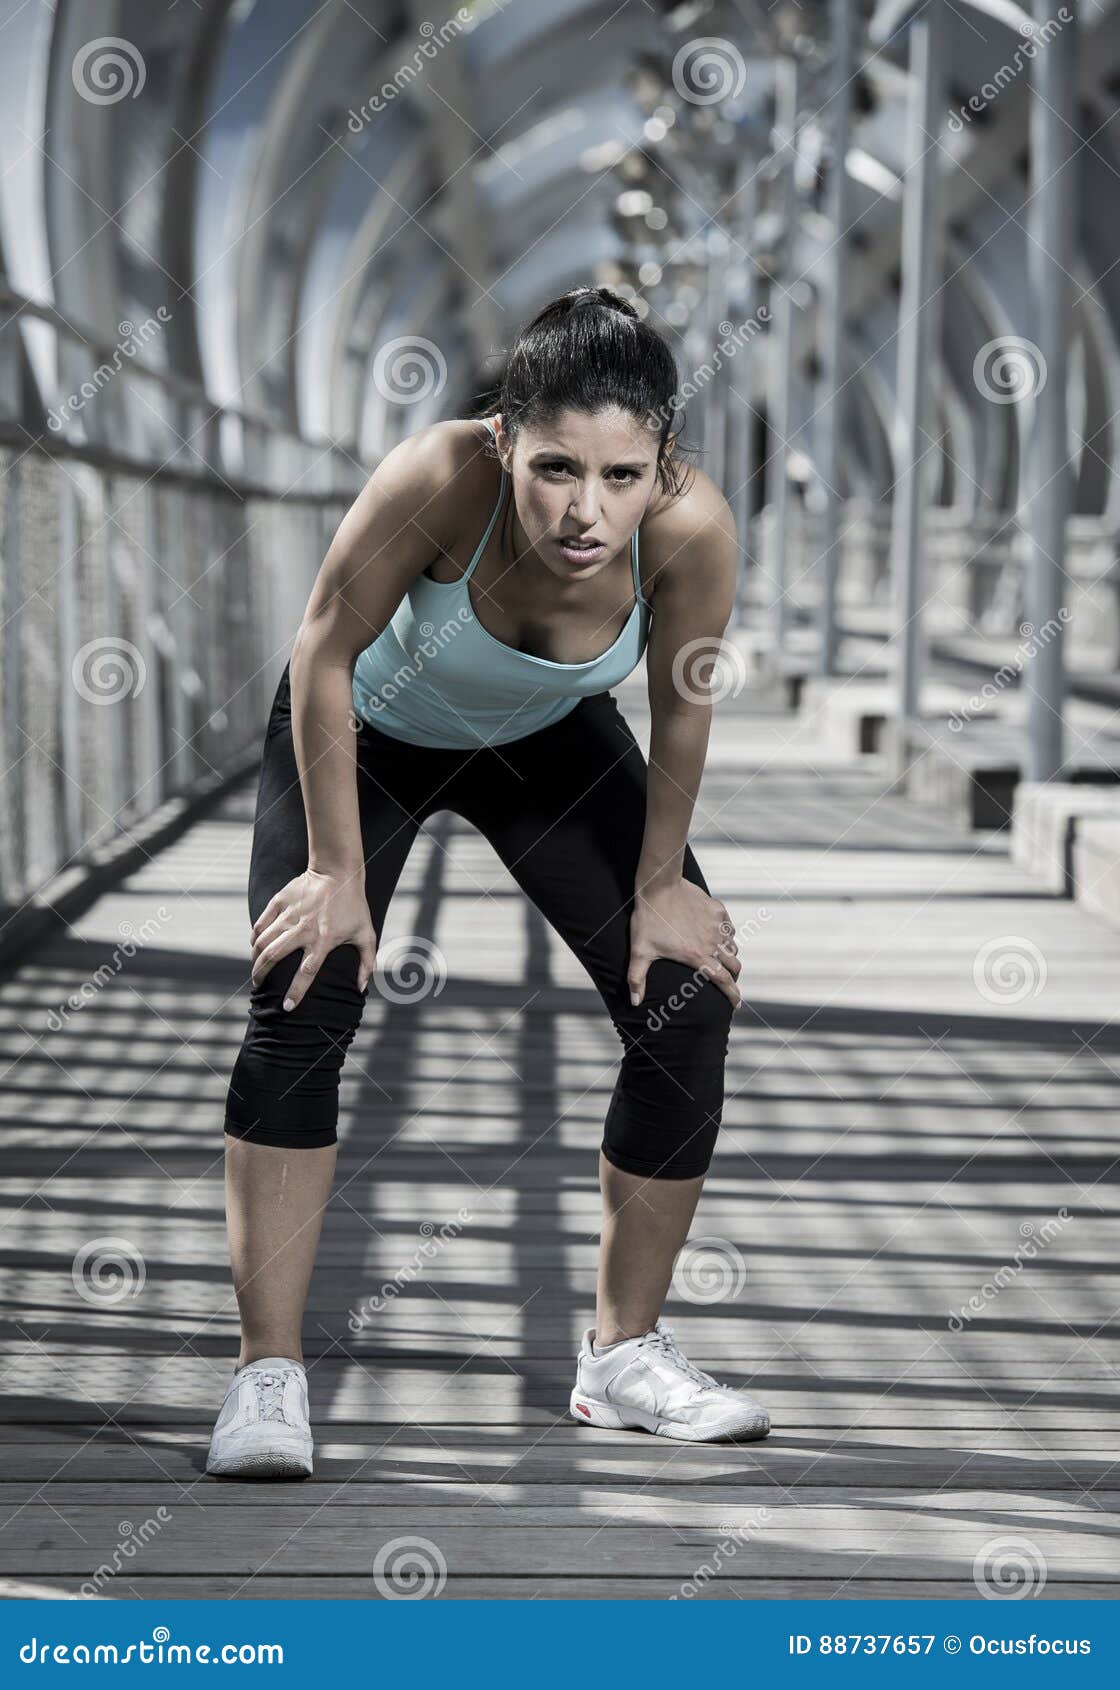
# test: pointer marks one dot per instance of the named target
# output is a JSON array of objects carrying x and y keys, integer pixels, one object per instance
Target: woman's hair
[{"x": 585, "y": 351}]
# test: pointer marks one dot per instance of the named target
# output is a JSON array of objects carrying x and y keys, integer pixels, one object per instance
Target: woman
[{"x": 504, "y": 718}]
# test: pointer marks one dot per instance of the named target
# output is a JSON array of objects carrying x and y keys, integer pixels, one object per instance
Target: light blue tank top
[{"x": 435, "y": 676}]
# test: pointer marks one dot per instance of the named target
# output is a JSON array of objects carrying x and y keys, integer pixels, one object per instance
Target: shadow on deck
[{"x": 905, "y": 1244}]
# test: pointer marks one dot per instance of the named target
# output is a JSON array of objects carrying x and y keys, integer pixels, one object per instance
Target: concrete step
[
  {"x": 1046, "y": 817},
  {"x": 1096, "y": 866},
  {"x": 971, "y": 774},
  {"x": 850, "y": 713}
]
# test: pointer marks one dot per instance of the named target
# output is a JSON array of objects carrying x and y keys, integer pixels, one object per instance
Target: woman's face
[{"x": 579, "y": 478}]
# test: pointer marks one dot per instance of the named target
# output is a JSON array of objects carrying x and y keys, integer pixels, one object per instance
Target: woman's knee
[
  {"x": 667, "y": 1108},
  {"x": 660, "y": 1132},
  {"x": 686, "y": 1008},
  {"x": 284, "y": 1087}
]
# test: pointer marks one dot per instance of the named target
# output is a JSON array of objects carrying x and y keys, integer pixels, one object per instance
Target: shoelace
[
  {"x": 664, "y": 1340},
  {"x": 270, "y": 1395}
]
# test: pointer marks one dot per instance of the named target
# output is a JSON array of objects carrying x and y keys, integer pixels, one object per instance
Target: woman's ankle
[{"x": 258, "y": 1352}]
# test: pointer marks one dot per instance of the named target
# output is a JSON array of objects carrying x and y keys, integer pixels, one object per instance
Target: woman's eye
[{"x": 619, "y": 477}]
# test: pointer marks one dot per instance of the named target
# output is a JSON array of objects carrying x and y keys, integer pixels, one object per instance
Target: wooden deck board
[
  {"x": 899, "y": 1130},
  {"x": 620, "y": 1587}
]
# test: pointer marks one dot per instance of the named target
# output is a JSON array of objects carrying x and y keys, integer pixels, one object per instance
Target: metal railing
[{"x": 156, "y": 554}]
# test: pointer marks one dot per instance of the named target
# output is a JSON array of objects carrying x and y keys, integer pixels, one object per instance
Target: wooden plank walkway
[{"x": 921, "y": 1113}]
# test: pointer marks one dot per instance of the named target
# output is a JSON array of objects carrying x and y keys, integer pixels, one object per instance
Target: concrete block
[
  {"x": 850, "y": 714},
  {"x": 1096, "y": 866},
  {"x": 1045, "y": 819}
]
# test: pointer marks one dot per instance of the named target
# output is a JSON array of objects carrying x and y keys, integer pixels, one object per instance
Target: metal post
[
  {"x": 835, "y": 300},
  {"x": 739, "y": 388},
  {"x": 715, "y": 399},
  {"x": 18, "y": 555},
  {"x": 1054, "y": 144},
  {"x": 69, "y": 635},
  {"x": 451, "y": 96},
  {"x": 918, "y": 340},
  {"x": 787, "y": 81}
]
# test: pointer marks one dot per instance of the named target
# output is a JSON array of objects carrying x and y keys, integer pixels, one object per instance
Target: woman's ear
[{"x": 502, "y": 442}]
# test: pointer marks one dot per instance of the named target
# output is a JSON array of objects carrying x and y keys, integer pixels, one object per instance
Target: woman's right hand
[{"x": 314, "y": 913}]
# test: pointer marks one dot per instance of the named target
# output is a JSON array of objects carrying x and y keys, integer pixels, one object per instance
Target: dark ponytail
[{"x": 586, "y": 350}]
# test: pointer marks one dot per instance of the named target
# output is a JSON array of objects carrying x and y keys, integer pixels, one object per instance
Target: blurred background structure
[{"x": 245, "y": 247}]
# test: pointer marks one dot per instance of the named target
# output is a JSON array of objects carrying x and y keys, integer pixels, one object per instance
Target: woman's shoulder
[
  {"x": 692, "y": 506},
  {"x": 451, "y": 470},
  {"x": 459, "y": 448},
  {"x": 680, "y": 526}
]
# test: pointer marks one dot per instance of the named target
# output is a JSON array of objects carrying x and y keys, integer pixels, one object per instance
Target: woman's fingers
[
  {"x": 270, "y": 947},
  {"x": 304, "y": 975},
  {"x": 727, "y": 949},
  {"x": 314, "y": 913},
  {"x": 271, "y": 953},
  {"x": 719, "y": 976},
  {"x": 367, "y": 961},
  {"x": 268, "y": 915},
  {"x": 726, "y": 954},
  {"x": 268, "y": 925},
  {"x": 266, "y": 937}
]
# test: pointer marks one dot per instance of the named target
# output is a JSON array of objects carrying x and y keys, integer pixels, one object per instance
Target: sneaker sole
[
  {"x": 590, "y": 1411},
  {"x": 269, "y": 1460}
]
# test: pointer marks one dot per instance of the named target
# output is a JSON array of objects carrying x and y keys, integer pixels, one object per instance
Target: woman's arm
[
  {"x": 693, "y": 600},
  {"x": 387, "y": 538}
]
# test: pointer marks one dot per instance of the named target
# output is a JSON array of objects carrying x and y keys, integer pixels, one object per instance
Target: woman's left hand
[{"x": 683, "y": 923}]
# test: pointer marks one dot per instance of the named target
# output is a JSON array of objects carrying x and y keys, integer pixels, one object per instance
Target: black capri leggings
[{"x": 564, "y": 808}]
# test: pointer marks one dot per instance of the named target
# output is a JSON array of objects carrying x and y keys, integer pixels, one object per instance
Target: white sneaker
[
  {"x": 648, "y": 1382},
  {"x": 262, "y": 1426}
]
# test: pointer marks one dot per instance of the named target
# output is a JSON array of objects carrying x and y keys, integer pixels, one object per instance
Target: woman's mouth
[{"x": 581, "y": 551}]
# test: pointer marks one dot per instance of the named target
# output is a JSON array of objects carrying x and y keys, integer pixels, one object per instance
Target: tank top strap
[
  {"x": 638, "y": 595},
  {"x": 495, "y": 513}
]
